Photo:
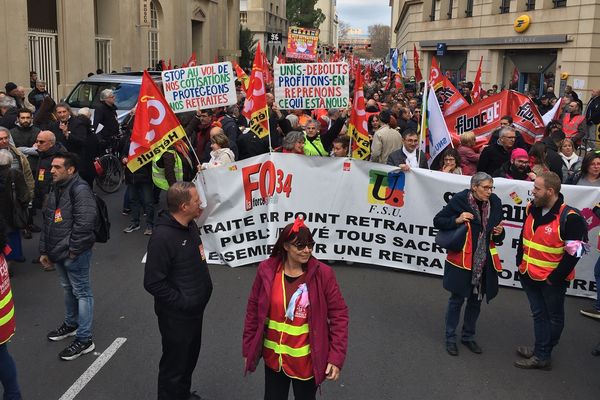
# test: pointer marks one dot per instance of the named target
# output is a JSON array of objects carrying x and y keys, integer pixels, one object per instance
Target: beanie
[
  {"x": 9, "y": 87},
  {"x": 519, "y": 153}
]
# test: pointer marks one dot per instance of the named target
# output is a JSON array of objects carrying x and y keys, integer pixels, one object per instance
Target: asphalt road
[{"x": 396, "y": 346}]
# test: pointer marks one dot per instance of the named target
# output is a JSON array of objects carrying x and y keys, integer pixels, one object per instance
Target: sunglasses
[{"x": 302, "y": 246}]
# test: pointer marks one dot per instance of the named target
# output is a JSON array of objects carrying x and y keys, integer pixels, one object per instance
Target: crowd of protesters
[{"x": 35, "y": 130}]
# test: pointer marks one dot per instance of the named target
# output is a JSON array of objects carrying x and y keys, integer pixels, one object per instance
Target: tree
[
  {"x": 304, "y": 14},
  {"x": 247, "y": 46},
  {"x": 343, "y": 29},
  {"x": 379, "y": 35}
]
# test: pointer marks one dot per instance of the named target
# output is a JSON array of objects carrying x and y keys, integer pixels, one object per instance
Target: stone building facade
[
  {"x": 526, "y": 45},
  {"x": 64, "y": 40},
  {"x": 265, "y": 18}
]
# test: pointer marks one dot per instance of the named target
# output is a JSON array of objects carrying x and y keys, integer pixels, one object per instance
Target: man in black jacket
[
  {"x": 592, "y": 115},
  {"x": 66, "y": 243},
  {"x": 177, "y": 276},
  {"x": 497, "y": 153},
  {"x": 105, "y": 117}
]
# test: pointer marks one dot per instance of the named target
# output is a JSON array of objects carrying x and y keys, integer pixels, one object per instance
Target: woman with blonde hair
[
  {"x": 468, "y": 156},
  {"x": 220, "y": 154}
]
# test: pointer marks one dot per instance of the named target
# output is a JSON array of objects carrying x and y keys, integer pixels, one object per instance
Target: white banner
[
  {"x": 312, "y": 85},
  {"x": 359, "y": 211},
  {"x": 199, "y": 87}
]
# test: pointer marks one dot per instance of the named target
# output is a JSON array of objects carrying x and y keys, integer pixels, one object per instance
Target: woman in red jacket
[{"x": 296, "y": 319}]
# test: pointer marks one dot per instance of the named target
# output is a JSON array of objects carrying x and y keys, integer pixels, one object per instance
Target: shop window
[
  {"x": 559, "y": 3},
  {"x": 530, "y": 5}
]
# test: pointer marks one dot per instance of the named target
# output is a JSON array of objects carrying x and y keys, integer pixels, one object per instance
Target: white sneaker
[{"x": 131, "y": 228}]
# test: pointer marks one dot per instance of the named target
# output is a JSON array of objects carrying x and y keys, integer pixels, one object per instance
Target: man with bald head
[{"x": 47, "y": 148}]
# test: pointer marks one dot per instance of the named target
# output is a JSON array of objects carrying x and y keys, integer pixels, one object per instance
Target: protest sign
[
  {"x": 360, "y": 211},
  {"x": 302, "y": 43},
  {"x": 199, "y": 87},
  {"x": 310, "y": 86}
]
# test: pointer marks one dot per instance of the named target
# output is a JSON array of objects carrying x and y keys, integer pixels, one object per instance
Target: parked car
[{"x": 126, "y": 87}]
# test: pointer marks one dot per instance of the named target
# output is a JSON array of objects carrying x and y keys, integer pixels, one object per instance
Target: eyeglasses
[
  {"x": 486, "y": 188},
  {"x": 302, "y": 246},
  {"x": 510, "y": 137}
]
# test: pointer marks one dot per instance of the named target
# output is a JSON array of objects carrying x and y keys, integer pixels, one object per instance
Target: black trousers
[
  {"x": 277, "y": 386},
  {"x": 181, "y": 341}
]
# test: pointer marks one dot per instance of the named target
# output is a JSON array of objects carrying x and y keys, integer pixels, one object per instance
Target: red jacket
[{"x": 328, "y": 340}]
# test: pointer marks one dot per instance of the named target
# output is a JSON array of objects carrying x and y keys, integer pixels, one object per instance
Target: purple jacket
[{"x": 327, "y": 319}]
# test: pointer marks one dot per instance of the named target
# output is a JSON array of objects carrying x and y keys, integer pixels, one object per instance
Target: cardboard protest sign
[
  {"x": 302, "y": 43},
  {"x": 199, "y": 87},
  {"x": 309, "y": 86}
]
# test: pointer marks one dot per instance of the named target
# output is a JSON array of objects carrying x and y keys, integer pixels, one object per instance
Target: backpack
[{"x": 102, "y": 222}]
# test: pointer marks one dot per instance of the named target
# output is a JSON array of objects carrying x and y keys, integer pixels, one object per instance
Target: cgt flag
[
  {"x": 477, "y": 90},
  {"x": 357, "y": 128},
  {"x": 192, "y": 62},
  {"x": 242, "y": 76},
  {"x": 156, "y": 127},
  {"x": 449, "y": 97},
  {"x": 255, "y": 105}
]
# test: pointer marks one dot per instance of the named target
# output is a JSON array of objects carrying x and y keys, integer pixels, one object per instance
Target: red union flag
[
  {"x": 155, "y": 129},
  {"x": 192, "y": 62},
  {"x": 255, "y": 105},
  {"x": 483, "y": 118},
  {"x": 357, "y": 128},
  {"x": 477, "y": 90},
  {"x": 418, "y": 75},
  {"x": 242, "y": 76},
  {"x": 450, "y": 99}
]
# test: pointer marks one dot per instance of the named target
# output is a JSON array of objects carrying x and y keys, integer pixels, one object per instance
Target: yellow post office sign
[{"x": 522, "y": 23}]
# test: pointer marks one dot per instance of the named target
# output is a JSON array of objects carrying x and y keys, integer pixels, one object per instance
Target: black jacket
[
  {"x": 9, "y": 119},
  {"x": 492, "y": 158},
  {"x": 232, "y": 131},
  {"x": 42, "y": 175},
  {"x": 24, "y": 137},
  {"x": 592, "y": 113},
  {"x": 575, "y": 229},
  {"x": 77, "y": 135},
  {"x": 176, "y": 272},
  {"x": 553, "y": 159},
  {"x": 74, "y": 231},
  {"x": 107, "y": 116},
  {"x": 458, "y": 280}
]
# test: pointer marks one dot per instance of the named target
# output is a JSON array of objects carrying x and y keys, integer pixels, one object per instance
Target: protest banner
[
  {"x": 199, "y": 87},
  {"x": 310, "y": 86},
  {"x": 302, "y": 43},
  {"x": 359, "y": 211},
  {"x": 484, "y": 117}
]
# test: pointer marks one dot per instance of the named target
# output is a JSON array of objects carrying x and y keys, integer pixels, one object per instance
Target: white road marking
[{"x": 93, "y": 369}]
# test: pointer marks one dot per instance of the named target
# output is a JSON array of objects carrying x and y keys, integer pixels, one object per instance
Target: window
[
  {"x": 530, "y": 5},
  {"x": 504, "y": 6},
  {"x": 153, "y": 36},
  {"x": 469, "y": 10},
  {"x": 432, "y": 15},
  {"x": 559, "y": 3},
  {"x": 450, "y": 4},
  {"x": 87, "y": 94}
]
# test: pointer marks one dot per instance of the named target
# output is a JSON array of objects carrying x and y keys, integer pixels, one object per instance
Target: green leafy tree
[
  {"x": 248, "y": 47},
  {"x": 304, "y": 14}
]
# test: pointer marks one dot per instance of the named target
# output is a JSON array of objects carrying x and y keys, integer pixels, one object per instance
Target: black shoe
[
  {"x": 196, "y": 396},
  {"x": 76, "y": 349},
  {"x": 27, "y": 234},
  {"x": 126, "y": 211},
  {"x": 61, "y": 333},
  {"x": 473, "y": 346},
  {"x": 534, "y": 363},
  {"x": 34, "y": 228},
  {"x": 452, "y": 349}
]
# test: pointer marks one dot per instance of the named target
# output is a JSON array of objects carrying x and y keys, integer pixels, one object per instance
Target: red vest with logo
[
  {"x": 464, "y": 258},
  {"x": 543, "y": 248},
  {"x": 570, "y": 124},
  {"x": 286, "y": 345},
  {"x": 7, "y": 308}
]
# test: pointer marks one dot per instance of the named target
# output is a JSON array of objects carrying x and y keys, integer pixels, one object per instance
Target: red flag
[
  {"x": 242, "y": 76},
  {"x": 280, "y": 59},
  {"x": 398, "y": 81},
  {"x": 163, "y": 65},
  {"x": 357, "y": 128},
  {"x": 156, "y": 127},
  {"x": 267, "y": 70},
  {"x": 170, "y": 66},
  {"x": 515, "y": 76},
  {"x": 450, "y": 98},
  {"x": 192, "y": 62},
  {"x": 477, "y": 91},
  {"x": 418, "y": 75},
  {"x": 436, "y": 79},
  {"x": 255, "y": 105}
]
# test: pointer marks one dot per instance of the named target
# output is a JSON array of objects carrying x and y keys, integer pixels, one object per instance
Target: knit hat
[
  {"x": 10, "y": 86},
  {"x": 519, "y": 153}
]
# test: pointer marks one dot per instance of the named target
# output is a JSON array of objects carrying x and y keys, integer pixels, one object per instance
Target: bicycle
[{"x": 109, "y": 169}]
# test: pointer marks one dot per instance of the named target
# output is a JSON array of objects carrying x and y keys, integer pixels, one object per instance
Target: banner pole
[{"x": 192, "y": 149}]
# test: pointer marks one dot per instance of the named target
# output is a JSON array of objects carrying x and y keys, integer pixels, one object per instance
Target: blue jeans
[
  {"x": 547, "y": 303},
  {"x": 79, "y": 301},
  {"x": 140, "y": 195},
  {"x": 8, "y": 375},
  {"x": 597, "y": 277},
  {"x": 472, "y": 310}
]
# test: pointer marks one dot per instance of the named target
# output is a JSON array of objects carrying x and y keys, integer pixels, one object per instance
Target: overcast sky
[{"x": 362, "y": 13}]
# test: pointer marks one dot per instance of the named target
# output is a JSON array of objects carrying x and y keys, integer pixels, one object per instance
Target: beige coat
[{"x": 385, "y": 141}]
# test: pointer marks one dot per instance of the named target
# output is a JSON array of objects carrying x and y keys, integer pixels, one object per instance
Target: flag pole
[
  {"x": 192, "y": 149},
  {"x": 423, "y": 136}
]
